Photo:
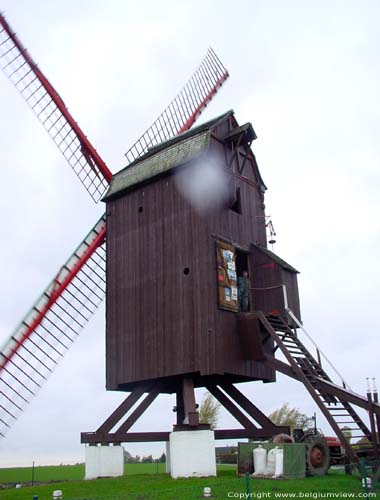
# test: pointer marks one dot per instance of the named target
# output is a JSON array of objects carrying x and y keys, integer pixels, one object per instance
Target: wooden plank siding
[{"x": 162, "y": 322}]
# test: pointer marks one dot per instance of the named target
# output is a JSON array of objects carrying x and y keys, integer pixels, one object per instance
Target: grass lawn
[
  {"x": 159, "y": 486},
  {"x": 66, "y": 472}
]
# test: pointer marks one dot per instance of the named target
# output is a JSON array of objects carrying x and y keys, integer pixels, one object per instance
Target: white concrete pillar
[
  {"x": 167, "y": 453},
  {"x": 192, "y": 453},
  {"x": 104, "y": 461}
]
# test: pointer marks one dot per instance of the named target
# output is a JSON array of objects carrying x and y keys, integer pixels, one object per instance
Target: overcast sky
[{"x": 306, "y": 74}]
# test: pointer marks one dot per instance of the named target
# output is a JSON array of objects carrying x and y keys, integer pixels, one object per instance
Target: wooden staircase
[{"x": 335, "y": 402}]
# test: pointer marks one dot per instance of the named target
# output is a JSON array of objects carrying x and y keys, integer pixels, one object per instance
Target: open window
[{"x": 236, "y": 205}]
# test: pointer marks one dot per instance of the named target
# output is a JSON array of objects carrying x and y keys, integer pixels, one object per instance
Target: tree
[
  {"x": 291, "y": 417},
  {"x": 162, "y": 458},
  {"x": 209, "y": 410},
  {"x": 127, "y": 457}
]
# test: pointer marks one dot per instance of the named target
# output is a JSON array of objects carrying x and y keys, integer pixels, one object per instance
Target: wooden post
[
  {"x": 179, "y": 406},
  {"x": 376, "y": 400},
  {"x": 191, "y": 414},
  {"x": 372, "y": 422}
]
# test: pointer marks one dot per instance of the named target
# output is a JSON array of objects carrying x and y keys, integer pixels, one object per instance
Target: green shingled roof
[{"x": 164, "y": 157}]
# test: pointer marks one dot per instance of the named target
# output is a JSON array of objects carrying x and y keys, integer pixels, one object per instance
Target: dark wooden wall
[
  {"x": 268, "y": 276},
  {"x": 162, "y": 315}
]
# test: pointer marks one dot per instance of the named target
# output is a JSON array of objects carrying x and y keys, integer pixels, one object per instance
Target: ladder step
[
  {"x": 339, "y": 412},
  {"x": 347, "y": 422}
]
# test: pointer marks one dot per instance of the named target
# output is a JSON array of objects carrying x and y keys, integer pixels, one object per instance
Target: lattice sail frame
[
  {"x": 45, "y": 334},
  {"x": 49, "y": 108},
  {"x": 185, "y": 108}
]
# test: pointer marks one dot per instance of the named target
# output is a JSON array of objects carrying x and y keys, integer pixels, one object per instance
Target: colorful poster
[
  {"x": 228, "y": 256},
  {"x": 234, "y": 293},
  {"x": 227, "y": 294},
  {"x": 231, "y": 265},
  {"x": 231, "y": 274}
]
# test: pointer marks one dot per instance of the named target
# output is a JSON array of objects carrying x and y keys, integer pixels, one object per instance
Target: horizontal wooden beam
[
  {"x": 148, "y": 437},
  {"x": 348, "y": 396},
  {"x": 127, "y": 437},
  {"x": 333, "y": 389},
  {"x": 244, "y": 433},
  {"x": 280, "y": 366}
]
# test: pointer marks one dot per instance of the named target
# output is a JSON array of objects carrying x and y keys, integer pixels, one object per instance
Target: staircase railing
[{"x": 320, "y": 354}]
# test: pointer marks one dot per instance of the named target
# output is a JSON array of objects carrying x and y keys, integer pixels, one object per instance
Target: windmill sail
[
  {"x": 62, "y": 311},
  {"x": 40, "y": 95},
  {"x": 185, "y": 108},
  {"x": 45, "y": 334}
]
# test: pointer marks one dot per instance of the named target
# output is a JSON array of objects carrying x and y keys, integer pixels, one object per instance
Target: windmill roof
[
  {"x": 276, "y": 258},
  {"x": 164, "y": 157}
]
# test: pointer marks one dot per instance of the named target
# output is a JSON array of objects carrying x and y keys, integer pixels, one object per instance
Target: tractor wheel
[{"x": 317, "y": 456}]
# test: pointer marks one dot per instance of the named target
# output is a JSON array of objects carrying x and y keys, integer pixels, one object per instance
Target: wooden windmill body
[{"x": 173, "y": 319}]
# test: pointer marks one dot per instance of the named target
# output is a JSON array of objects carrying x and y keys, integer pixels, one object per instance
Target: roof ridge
[{"x": 172, "y": 140}]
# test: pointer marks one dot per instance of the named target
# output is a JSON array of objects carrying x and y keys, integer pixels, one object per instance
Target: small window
[{"x": 236, "y": 206}]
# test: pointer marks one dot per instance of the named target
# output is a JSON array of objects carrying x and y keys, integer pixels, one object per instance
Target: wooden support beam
[
  {"x": 281, "y": 366},
  {"x": 231, "y": 408},
  {"x": 311, "y": 390},
  {"x": 349, "y": 396},
  {"x": 121, "y": 410},
  {"x": 127, "y": 437},
  {"x": 150, "y": 437},
  {"x": 180, "y": 406},
  {"x": 242, "y": 433},
  {"x": 136, "y": 414},
  {"x": 252, "y": 410},
  {"x": 191, "y": 414},
  {"x": 372, "y": 423},
  {"x": 377, "y": 417}
]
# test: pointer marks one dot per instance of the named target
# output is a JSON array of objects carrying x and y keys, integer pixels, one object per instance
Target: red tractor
[{"x": 321, "y": 451}]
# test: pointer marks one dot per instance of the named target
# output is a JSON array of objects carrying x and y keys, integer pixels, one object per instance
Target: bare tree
[{"x": 209, "y": 410}]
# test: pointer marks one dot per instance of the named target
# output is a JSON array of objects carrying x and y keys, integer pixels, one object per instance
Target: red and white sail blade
[
  {"x": 45, "y": 334},
  {"x": 52, "y": 112},
  {"x": 47, "y": 331},
  {"x": 185, "y": 108}
]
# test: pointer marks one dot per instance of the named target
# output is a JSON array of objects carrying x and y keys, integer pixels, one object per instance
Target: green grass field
[
  {"x": 67, "y": 472},
  {"x": 143, "y": 482}
]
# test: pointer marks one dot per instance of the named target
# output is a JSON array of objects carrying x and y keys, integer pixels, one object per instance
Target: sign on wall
[{"x": 226, "y": 276}]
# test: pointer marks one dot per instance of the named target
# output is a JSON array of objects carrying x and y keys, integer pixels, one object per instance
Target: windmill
[
  {"x": 239, "y": 348},
  {"x": 58, "y": 316}
]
